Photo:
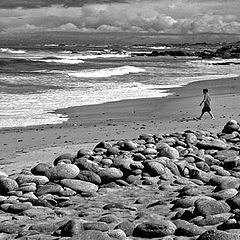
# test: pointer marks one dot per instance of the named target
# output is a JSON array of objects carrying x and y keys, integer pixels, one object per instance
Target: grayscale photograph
[{"x": 120, "y": 119}]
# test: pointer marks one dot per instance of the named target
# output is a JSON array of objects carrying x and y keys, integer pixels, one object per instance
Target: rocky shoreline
[
  {"x": 222, "y": 51},
  {"x": 182, "y": 185}
]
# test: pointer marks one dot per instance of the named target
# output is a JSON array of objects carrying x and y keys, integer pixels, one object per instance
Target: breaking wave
[{"x": 106, "y": 72}]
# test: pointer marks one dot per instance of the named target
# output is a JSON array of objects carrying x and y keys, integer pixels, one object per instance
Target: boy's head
[{"x": 205, "y": 90}]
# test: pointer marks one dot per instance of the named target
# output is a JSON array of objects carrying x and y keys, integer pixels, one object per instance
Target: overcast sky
[{"x": 157, "y": 16}]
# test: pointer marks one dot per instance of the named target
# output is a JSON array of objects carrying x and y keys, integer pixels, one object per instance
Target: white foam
[
  {"x": 33, "y": 109},
  {"x": 160, "y": 48},
  {"x": 14, "y": 51},
  {"x": 63, "y": 61},
  {"x": 106, "y": 72},
  {"x": 103, "y": 55},
  {"x": 51, "y": 45}
]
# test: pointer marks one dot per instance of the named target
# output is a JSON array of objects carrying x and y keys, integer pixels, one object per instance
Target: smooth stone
[
  {"x": 39, "y": 180},
  {"x": 154, "y": 168},
  {"x": 112, "y": 151},
  {"x": 113, "y": 205},
  {"x": 28, "y": 188},
  {"x": 117, "y": 234},
  {"x": 72, "y": 228},
  {"x": 127, "y": 227},
  {"x": 224, "y": 194},
  {"x": 174, "y": 169},
  {"x": 129, "y": 145},
  {"x": 86, "y": 164},
  {"x": 91, "y": 235},
  {"x": 103, "y": 144},
  {"x": 155, "y": 229},
  {"x": 169, "y": 152},
  {"x": 38, "y": 212},
  {"x": 208, "y": 206},
  {"x": 212, "y": 219},
  {"x": 106, "y": 162},
  {"x": 212, "y": 144},
  {"x": 89, "y": 176},
  {"x": 7, "y": 185},
  {"x": 122, "y": 162},
  {"x": 19, "y": 207},
  {"x": 51, "y": 188},
  {"x": 79, "y": 185},
  {"x": 185, "y": 202},
  {"x": 40, "y": 169},
  {"x": 220, "y": 170},
  {"x": 110, "y": 174},
  {"x": 69, "y": 156},
  {"x": 84, "y": 152},
  {"x": 99, "y": 226},
  {"x": 185, "y": 228},
  {"x": 29, "y": 195},
  {"x": 148, "y": 151},
  {"x": 9, "y": 227},
  {"x": 191, "y": 138},
  {"x": 46, "y": 226},
  {"x": 217, "y": 235},
  {"x": 110, "y": 218},
  {"x": 228, "y": 182},
  {"x": 63, "y": 171}
]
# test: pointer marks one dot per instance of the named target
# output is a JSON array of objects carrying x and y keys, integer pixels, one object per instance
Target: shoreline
[{"x": 127, "y": 119}]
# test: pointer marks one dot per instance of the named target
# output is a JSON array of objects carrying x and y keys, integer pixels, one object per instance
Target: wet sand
[{"x": 24, "y": 147}]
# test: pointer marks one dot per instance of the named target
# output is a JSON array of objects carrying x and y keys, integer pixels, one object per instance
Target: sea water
[{"x": 36, "y": 81}]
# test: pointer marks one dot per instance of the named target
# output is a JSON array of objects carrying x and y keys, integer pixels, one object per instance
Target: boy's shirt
[{"x": 207, "y": 100}]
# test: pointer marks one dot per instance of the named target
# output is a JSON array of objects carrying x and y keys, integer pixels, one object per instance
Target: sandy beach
[{"x": 24, "y": 147}]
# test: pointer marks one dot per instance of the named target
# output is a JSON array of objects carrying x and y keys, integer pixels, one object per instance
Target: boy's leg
[
  {"x": 210, "y": 113},
  {"x": 200, "y": 116}
]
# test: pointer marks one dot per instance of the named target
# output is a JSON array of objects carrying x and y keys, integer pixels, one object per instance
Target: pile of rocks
[{"x": 172, "y": 186}]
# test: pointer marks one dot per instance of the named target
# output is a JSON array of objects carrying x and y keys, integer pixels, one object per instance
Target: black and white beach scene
[{"x": 119, "y": 119}]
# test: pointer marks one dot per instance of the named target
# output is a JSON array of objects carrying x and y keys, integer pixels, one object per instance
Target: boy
[{"x": 207, "y": 102}]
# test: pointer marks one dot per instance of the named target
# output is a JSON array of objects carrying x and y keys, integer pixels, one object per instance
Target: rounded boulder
[
  {"x": 79, "y": 185},
  {"x": 110, "y": 174},
  {"x": 169, "y": 152},
  {"x": 63, "y": 171},
  {"x": 38, "y": 180},
  {"x": 7, "y": 185},
  {"x": 155, "y": 229},
  {"x": 154, "y": 168},
  {"x": 209, "y": 206},
  {"x": 69, "y": 156}
]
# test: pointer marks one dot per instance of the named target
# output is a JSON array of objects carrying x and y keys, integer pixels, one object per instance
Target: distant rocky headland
[{"x": 202, "y": 50}]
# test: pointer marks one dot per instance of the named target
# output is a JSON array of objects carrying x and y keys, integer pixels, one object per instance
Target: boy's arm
[{"x": 204, "y": 98}]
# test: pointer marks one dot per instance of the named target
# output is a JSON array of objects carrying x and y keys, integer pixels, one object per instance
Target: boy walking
[{"x": 206, "y": 104}]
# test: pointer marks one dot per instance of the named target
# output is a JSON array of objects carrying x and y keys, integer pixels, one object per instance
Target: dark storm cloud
[{"x": 10, "y": 4}]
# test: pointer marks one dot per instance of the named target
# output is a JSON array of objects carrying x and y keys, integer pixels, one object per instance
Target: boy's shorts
[{"x": 206, "y": 109}]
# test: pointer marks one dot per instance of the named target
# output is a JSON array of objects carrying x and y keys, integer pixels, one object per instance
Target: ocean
[{"x": 36, "y": 80}]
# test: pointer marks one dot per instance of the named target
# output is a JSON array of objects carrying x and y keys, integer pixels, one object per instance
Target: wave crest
[
  {"x": 106, "y": 72},
  {"x": 9, "y": 50}
]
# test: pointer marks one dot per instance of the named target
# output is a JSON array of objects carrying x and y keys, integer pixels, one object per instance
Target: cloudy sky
[{"x": 155, "y": 16}]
